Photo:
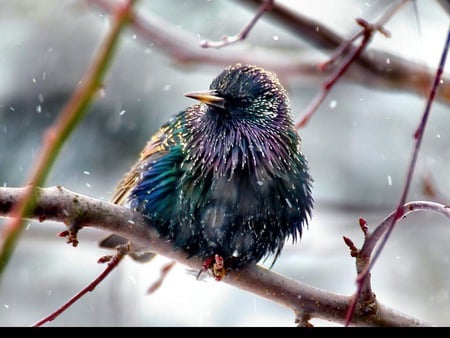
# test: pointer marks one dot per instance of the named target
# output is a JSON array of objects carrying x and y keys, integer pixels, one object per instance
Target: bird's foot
[{"x": 216, "y": 265}]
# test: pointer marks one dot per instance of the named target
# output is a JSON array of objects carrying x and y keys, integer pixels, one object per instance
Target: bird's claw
[
  {"x": 216, "y": 265},
  {"x": 218, "y": 268}
]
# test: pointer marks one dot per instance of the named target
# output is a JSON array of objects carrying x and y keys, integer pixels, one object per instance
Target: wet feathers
[{"x": 225, "y": 176}]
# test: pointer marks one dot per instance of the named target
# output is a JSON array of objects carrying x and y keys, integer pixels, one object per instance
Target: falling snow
[
  {"x": 288, "y": 202},
  {"x": 132, "y": 279}
]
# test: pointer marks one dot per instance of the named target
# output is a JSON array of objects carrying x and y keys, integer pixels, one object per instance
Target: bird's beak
[{"x": 208, "y": 97}]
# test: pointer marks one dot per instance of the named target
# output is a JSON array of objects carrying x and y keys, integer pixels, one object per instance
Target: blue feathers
[{"x": 157, "y": 188}]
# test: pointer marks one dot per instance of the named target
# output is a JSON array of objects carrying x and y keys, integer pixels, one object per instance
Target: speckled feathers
[{"x": 226, "y": 176}]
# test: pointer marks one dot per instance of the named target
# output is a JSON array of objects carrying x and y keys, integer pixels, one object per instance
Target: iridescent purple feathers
[{"x": 226, "y": 176}]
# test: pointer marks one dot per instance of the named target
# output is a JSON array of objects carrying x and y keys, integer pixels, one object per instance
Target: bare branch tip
[
  {"x": 64, "y": 233},
  {"x": 353, "y": 249},
  {"x": 71, "y": 236},
  {"x": 384, "y": 32},
  {"x": 105, "y": 259},
  {"x": 363, "y": 23},
  {"x": 364, "y": 227}
]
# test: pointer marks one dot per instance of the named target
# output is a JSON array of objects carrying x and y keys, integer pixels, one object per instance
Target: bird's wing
[
  {"x": 154, "y": 148},
  {"x": 156, "y": 167},
  {"x": 122, "y": 192}
]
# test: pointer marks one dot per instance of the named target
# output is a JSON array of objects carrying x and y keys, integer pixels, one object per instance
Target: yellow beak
[{"x": 208, "y": 97}]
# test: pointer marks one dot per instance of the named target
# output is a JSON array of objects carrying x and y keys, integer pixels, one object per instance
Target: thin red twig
[
  {"x": 228, "y": 40},
  {"x": 367, "y": 33},
  {"x": 114, "y": 262},
  {"x": 334, "y": 77},
  {"x": 399, "y": 213}
]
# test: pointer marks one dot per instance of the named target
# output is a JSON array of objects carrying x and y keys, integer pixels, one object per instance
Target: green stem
[{"x": 57, "y": 134}]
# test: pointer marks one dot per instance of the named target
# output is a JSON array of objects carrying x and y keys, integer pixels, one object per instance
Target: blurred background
[{"x": 358, "y": 143}]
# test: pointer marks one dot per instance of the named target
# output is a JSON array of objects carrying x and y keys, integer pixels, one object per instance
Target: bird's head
[{"x": 246, "y": 93}]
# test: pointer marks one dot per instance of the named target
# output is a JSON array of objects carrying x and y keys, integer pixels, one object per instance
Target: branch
[
  {"x": 368, "y": 70},
  {"x": 418, "y": 136},
  {"x": 406, "y": 209},
  {"x": 113, "y": 263},
  {"x": 367, "y": 32},
  {"x": 183, "y": 48},
  {"x": 59, "y": 204},
  {"x": 372, "y": 71},
  {"x": 228, "y": 40},
  {"x": 57, "y": 134}
]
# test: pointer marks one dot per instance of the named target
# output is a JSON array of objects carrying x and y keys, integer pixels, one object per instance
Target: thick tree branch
[
  {"x": 370, "y": 69},
  {"x": 183, "y": 48},
  {"x": 61, "y": 205}
]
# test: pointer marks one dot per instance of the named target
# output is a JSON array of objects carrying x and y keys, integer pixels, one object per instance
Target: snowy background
[{"x": 358, "y": 144}]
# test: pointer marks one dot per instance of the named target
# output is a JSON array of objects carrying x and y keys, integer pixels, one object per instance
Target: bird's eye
[
  {"x": 242, "y": 100},
  {"x": 245, "y": 100}
]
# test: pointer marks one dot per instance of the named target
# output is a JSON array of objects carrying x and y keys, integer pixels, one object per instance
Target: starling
[{"x": 225, "y": 179}]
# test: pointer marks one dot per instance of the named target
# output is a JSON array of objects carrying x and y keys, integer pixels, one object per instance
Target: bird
[{"x": 224, "y": 179}]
